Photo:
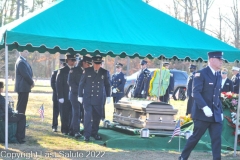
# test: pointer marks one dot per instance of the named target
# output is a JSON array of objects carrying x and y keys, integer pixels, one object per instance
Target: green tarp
[
  {"x": 115, "y": 27},
  {"x": 122, "y": 140}
]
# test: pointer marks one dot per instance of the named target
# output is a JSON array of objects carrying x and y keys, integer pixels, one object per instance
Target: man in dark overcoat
[
  {"x": 227, "y": 84},
  {"x": 23, "y": 81},
  {"x": 118, "y": 82},
  {"x": 91, "y": 87},
  {"x": 207, "y": 110}
]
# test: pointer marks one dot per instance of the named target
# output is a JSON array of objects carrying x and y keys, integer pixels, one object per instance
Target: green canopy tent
[{"x": 117, "y": 28}]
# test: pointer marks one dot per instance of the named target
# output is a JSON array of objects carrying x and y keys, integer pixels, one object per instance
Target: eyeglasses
[{"x": 224, "y": 72}]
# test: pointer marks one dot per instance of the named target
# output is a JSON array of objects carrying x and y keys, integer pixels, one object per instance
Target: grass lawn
[{"x": 42, "y": 143}]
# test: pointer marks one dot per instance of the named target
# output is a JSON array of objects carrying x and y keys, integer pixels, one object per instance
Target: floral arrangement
[
  {"x": 184, "y": 120},
  {"x": 229, "y": 100}
]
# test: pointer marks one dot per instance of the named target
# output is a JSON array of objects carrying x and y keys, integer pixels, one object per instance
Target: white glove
[
  {"x": 61, "y": 100},
  {"x": 80, "y": 99},
  {"x": 114, "y": 90},
  {"x": 170, "y": 95},
  {"x": 222, "y": 116},
  {"x": 108, "y": 100},
  {"x": 207, "y": 111},
  {"x": 142, "y": 92}
]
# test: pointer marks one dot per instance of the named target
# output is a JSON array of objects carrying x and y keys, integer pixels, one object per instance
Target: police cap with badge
[
  {"x": 87, "y": 59},
  {"x": 119, "y": 65},
  {"x": 97, "y": 59},
  {"x": 70, "y": 56},
  {"x": 143, "y": 62},
  {"x": 216, "y": 54}
]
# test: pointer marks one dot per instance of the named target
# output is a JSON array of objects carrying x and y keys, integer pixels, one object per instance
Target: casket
[{"x": 145, "y": 114}]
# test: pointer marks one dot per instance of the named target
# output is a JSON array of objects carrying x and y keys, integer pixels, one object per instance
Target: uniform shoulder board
[{"x": 197, "y": 75}]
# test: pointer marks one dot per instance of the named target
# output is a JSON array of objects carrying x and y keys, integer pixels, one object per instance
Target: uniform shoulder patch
[{"x": 197, "y": 75}]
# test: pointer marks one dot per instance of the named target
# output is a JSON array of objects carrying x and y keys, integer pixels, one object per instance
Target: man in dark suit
[
  {"x": 74, "y": 77},
  {"x": 91, "y": 88},
  {"x": 227, "y": 84},
  {"x": 24, "y": 81},
  {"x": 20, "y": 119},
  {"x": 118, "y": 82},
  {"x": 235, "y": 79},
  {"x": 62, "y": 88},
  {"x": 207, "y": 110},
  {"x": 142, "y": 83},
  {"x": 54, "y": 97},
  {"x": 170, "y": 88},
  {"x": 192, "y": 69}
]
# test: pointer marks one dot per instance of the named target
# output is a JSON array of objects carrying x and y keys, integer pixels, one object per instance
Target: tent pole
[
  {"x": 6, "y": 96},
  {"x": 237, "y": 124}
]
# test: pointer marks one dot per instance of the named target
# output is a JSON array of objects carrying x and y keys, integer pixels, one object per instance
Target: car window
[{"x": 179, "y": 75}]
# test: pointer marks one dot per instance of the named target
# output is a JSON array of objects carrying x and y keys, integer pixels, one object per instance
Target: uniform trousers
[
  {"x": 164, "y": 98},
  {"x": 94, "y": 113},
  {"x": 22, "y": 102},
  {"x": 215, "y": 130},
  {"x": 55, "y": 114},
  {"x": 75, "y": 122},
  {"x": 20, "y": 119},
  {"x": 66, "y": 115}
]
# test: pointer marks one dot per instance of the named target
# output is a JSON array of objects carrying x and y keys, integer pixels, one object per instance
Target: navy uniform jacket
[
  {"x": 235, "y": 80},
  {"x": 228, "y": 86},
  {"x": 118, "y": 82},
  {"x": 142, "y": 83},
  {"x": 170, "y": 88},
  {"x": 92, "y": 85},
  {"x": 207, "y": 92},
  {"x": 189, "y": 85},
  {"x": 62, "y": 86},
  {"x": 53, "y": 85},
  {"x": 23, "y": 75},
  {"x": 74, "y": 79}
]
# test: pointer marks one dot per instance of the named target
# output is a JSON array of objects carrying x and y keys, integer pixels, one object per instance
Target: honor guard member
[
  {"x": 235, "y": 79},
  {"x": 54, "y": 97},
  {"x": 207, "y": 107},
  {"x": 91, "y": 87},
  {"x": 227, "y": 84},
  {"x": 84, "y": 63},
  {"x": 62, "y": 87},
  {"x": 192, "y": 69},
  {"x": 74, "y": 77},
  {"x": 142, "y": 83},
  {"x": 118, "y": 82},
  {"x": 170, "y": 89}
]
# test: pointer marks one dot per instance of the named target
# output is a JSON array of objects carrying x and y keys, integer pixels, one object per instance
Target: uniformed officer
[
  {"x": 227, "y": 84},
  {"x": 74, "y": 76},
  {"x": 93, "y": 82},
  {"x": 142, "y": 83},
  {"x": 118, "y": 82},
  {"x": 170, "y": 89},
  {"x": 235, "y": 79},
  {"x": 192, "y": 69},
  {"x": 207, "y": 110},
  {"x": 62, "y": 87},
  {"x": 54, "y": 97}
]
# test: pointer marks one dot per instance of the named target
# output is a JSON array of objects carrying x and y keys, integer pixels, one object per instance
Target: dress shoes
[
  {"x": 71, "y": 134},
  {"x": 77, "y": 135},
  {"x": 97, "y": 137},
  {"x": 86, "y": 139},
  {"x": 64, "y": 133},
  {"x": 54, "y": 130},
  {"x": 180, "y": 158}
]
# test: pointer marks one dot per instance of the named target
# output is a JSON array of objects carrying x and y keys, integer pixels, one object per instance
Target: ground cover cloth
[{"x": 130, "y": 141}]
